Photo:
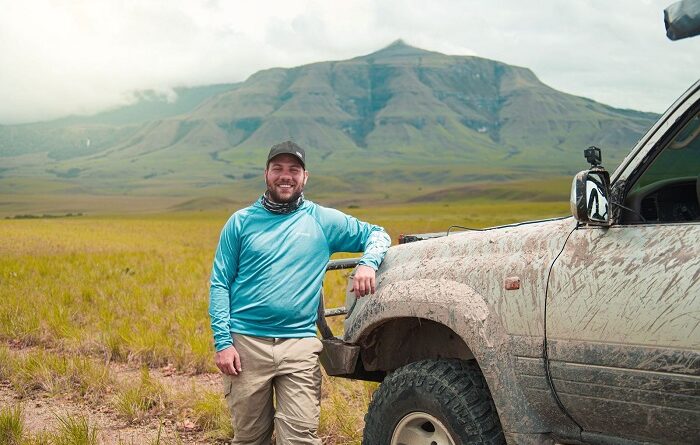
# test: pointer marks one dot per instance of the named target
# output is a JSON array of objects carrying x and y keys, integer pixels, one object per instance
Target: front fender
[
  {"x": 450, "y": 303},
  {"x": 463, "y": 310}
]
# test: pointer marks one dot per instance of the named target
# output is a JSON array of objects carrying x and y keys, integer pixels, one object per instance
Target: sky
[{"x": 83, "y": 56}]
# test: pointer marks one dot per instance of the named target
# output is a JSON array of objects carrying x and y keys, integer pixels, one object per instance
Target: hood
[{"x": 479, "y": 261}]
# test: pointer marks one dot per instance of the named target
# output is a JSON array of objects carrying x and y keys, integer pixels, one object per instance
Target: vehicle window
[{"x": 668, "y": 190}]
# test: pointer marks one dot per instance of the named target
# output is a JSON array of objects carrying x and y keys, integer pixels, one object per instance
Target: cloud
[{"x": 80, "y": 57}]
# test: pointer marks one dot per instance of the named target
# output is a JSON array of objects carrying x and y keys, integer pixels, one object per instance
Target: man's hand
[
  {"x": 228, "y": 361},
  {"x": 363, "y": 282}
]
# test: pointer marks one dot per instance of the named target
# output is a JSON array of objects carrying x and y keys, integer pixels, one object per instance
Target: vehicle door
[{"x": 623, "y": 304}]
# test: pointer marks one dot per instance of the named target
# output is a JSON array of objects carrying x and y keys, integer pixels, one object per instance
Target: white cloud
[{"x": 60, "y": 58}]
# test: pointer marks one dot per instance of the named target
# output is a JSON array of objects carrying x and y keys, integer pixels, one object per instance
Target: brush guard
[{"x": 338, "y": 358}]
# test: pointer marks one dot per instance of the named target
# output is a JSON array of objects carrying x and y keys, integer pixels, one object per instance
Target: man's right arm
[
  {"x": 222, "y": 275},
  {"x": 228, "y": 361}
]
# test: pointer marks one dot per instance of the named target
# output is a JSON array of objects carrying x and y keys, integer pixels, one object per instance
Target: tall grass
[
  {"x": 132, "y": 290},
  {"x": 41, "y": 370},
  {"x": 14, "y": 432},
  {"x": 74, "y": 430},
  {"x": 139, "y": 400},
  {"x": 136, "y": 289},
  {"x": 345, "y": 402},
  {"x": 134, "y": 400},
  {"x": 211, "y": 414},
  {"x": 11, "y": 425}
]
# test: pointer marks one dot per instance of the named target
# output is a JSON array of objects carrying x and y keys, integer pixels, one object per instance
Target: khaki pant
[{"x": 287, "y": 368}]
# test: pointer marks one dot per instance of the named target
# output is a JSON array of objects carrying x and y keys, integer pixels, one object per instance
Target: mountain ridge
[{"x": 398, "y": 107}]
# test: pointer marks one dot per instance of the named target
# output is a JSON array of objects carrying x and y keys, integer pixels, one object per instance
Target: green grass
[
  {"x": 342, "y": 412},
  {"x": 14, "y": 432},
  {"x": 211, "y": 414},
  {"x": 137, "y": 401},
  {"x": 74, "y": 430},
  {"x": 56, "y": 373},
  {"x": 41, "y": 370},
  {"x": 11, "y": 425},
  {"x": 132, "y": 290}
]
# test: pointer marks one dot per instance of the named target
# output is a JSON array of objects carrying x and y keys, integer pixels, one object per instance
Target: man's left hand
[{"x": 363, "y": 283}]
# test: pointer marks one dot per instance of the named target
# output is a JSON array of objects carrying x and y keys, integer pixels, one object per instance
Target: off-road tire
[{"x": 452, "y": 391}]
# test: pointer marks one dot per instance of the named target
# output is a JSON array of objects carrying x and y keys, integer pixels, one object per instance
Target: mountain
[{"x": 398, "y": 115}]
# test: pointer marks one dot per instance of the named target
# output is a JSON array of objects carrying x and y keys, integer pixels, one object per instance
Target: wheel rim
[{"x": 421, "y": 429}]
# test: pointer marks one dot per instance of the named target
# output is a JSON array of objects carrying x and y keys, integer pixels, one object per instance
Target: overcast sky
[{"x": 82, "y": 56}]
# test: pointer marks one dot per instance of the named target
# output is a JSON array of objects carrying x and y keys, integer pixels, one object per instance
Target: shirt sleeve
[
  {"x": 222, "y": 275},
  {"x": 348, "y": 234}
]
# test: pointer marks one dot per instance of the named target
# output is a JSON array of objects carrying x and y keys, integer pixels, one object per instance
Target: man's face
[{"x": 285, "y": 178}]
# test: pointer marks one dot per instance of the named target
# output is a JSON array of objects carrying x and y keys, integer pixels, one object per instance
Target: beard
[
  {"x": 275, "y": 197},
  {"x": 284, "y": 198}
]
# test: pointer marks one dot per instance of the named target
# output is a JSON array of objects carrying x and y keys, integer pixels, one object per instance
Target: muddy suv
[{"x": 583, "y": 329}]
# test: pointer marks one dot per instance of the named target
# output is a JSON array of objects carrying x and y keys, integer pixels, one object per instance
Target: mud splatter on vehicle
[{"x": 576, "y": 330}]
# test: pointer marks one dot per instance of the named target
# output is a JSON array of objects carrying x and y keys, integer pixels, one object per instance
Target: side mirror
[{"x": 590, "y": 197}]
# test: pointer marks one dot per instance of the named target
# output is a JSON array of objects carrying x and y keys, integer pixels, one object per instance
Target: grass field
[{"x": 80, "y": 294}]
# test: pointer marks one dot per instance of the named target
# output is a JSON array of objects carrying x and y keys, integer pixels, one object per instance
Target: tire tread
[{"x": 457, "y": 385}]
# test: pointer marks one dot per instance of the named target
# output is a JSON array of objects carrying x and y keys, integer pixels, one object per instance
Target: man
[{"x": 264, "y": 295}]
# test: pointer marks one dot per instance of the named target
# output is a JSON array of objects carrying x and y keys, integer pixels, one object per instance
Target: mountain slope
[{"x": 400, "y": 109}]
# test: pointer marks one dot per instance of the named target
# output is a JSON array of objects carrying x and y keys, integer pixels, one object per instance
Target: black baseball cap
[{"x": 290, "y": 148}]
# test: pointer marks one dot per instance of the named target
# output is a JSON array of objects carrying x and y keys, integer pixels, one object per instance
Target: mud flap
[{"x": 338, "y": 358}]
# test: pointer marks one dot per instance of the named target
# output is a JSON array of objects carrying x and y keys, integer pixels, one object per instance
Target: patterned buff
[{"x": 284, "y": 208}]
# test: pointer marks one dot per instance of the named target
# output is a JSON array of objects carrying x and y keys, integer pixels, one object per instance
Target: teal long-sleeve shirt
[{"x": 269, "y": 268}]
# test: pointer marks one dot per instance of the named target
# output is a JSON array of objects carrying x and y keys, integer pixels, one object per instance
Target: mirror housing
[{"x": 590, "y": 197}]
